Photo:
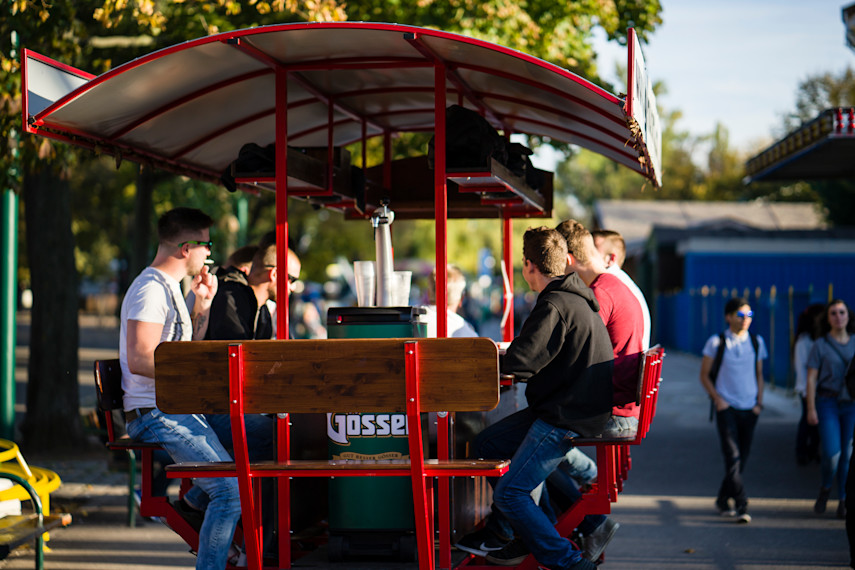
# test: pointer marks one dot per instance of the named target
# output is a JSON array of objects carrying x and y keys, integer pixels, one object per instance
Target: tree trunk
[
  {"x": 141, "y": 254},
  {"x": 53, "y": 419}
]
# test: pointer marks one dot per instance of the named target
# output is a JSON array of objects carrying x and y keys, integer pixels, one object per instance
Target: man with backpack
[{"x": 732, "y": 375}]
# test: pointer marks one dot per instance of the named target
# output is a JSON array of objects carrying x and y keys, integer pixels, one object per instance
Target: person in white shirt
[
  {"x": 456, "y": 285},
  {"x": 613, "y": 248},
  {"x": 153, "y": 311},
  {"x": 733, "y": 378}
]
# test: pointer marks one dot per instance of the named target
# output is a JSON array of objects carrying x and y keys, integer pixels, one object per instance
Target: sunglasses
[
  {"x": 208, "y": 244},
  {"x": 291, "y": 278},
  {"x": 744, "y": 314}
]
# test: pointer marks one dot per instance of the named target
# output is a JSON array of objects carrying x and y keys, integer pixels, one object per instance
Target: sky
[{"x": 738, "y": 62}]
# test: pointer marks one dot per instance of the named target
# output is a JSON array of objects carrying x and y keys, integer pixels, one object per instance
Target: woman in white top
[{"x": 807, "y": 436}]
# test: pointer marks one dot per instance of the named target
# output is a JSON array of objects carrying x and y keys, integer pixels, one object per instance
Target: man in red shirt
[{"x": 623, "y": 317}]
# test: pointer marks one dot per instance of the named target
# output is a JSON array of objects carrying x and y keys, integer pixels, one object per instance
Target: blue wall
[{"x": 685, "y": 320}]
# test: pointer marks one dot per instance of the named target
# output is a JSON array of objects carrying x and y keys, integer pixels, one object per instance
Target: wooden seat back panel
[{"x": 311, "y": 376}]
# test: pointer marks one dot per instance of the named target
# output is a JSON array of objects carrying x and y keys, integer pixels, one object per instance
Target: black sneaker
[
  {"x": 481, "y": 542},
  {"x": 193, "y": 517},
  {"x": 724, "y": 508},
  {"x": 821, "y": 501},
  {"x": 595, "y": 543},
  {"x": 512, "y": 554},
  {"x": 742, "y": 515}
]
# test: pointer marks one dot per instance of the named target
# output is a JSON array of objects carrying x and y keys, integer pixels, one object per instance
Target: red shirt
[{"x": 624, "y": 320}]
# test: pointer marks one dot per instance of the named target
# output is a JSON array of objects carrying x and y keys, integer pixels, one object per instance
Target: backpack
[{"x": 719, "y": 355}]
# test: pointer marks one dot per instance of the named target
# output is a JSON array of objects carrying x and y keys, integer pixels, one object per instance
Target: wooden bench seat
[
  {"x": 16, "y": 530},
  {"x": 412, "y": 376}
]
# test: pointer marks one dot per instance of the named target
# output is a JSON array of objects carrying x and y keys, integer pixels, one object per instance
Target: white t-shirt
[
  {"x": 645, "y": 311},
  {"x": 737, "y": 377},
  {"x": 800, "y": 357},
  {"x": 457, "y": 325},
  {"x": 153, "y": 297}
]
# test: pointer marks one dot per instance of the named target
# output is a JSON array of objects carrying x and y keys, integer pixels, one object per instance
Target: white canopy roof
[{"x": 189, "y": 108}]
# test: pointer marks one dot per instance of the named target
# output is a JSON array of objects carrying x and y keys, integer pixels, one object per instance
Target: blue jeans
[
  {"x": 189, "y": 438},
  {"x": 538, "y": 449},
  {"x": 836, "y": 422},
  {"x": 735, "y": 432}
]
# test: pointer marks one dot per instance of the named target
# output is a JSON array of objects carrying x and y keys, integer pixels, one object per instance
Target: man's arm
[
  {"x": 706, "y": 382},
  {"x": 142, "y": 339},
  {"x": 759, "y": 405},
  {"x": 540, "y": 339}
]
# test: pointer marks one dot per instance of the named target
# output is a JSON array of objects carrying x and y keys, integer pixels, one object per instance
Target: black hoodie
[
  {"x": 564, "y": 353},
  {"x": 234, "y": 311}
]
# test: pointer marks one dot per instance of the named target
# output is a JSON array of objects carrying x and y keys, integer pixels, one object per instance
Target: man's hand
[{"x": 204, "y": 287}]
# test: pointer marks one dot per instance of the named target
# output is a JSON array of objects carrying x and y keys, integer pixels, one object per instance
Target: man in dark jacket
[
  {"x": 564, "y": 354},
  {"x": 239, "y": 310}
]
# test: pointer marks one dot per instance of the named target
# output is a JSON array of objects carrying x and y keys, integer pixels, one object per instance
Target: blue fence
[{"x": 685, "y": 320}]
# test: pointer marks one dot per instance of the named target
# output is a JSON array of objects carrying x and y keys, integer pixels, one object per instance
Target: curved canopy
[{"x": 191, "y": 107}]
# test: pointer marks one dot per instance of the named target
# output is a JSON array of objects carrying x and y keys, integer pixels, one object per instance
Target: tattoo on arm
[{"x": 200, "y": 325}]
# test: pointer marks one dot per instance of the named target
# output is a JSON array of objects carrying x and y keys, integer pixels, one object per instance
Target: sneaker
[
  {"x": 193, "y": 517},
  {"x": 742, "y": 515},
  {"x": 724, "y": 509},
  {"x": 841, "y": 509},
  {"x": 481, "y": 542},
  {"x": 821, "y": 501},
  {"x": 595, "y": 543},
  {"x": 512, "y": 554}
]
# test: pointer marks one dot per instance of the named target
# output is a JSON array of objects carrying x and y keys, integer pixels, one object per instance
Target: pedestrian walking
[
  {"x": 732, "y": 375},
  {"x": 829, "y": 401}
]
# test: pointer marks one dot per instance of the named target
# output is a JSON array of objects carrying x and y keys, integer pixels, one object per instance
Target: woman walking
[{"x": 829, "y": 403}]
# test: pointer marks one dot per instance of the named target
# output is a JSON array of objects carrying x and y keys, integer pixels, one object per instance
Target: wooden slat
[
  {"x": 18, "y": 529},
  {"x": 344, "y": 468},
  {"x": 341, "y": 375}
]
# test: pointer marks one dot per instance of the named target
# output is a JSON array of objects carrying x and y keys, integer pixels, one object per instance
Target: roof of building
[{"x": 634, "y": 219}]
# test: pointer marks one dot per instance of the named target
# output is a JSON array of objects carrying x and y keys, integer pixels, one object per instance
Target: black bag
[
  {"x": 251, "y": 158},
  {"x": 520, "y": 164},
  {"x": 470, "y": 140}
]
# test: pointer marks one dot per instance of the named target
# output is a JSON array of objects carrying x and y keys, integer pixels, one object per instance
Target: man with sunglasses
[
  {"x": 239, "y": 310},
  {"x": 732, "y": 375},
  {"x": 153, "y": 311}
]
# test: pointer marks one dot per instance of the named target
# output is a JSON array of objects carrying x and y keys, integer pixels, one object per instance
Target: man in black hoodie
[{"x": 564, "y": 354}]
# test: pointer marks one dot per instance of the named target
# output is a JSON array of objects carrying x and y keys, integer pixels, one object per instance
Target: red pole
[{"x": 507, "y": 252}]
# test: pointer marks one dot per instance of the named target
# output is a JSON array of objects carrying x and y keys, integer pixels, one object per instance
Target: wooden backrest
[
  {"x": 342, "y": 375},
  {"x": 108, "y": 384},
  {"x": 108, "y": 387}
]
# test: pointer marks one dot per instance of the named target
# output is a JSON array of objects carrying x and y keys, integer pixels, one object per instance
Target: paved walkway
[{"x": 666, "y": 511}]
